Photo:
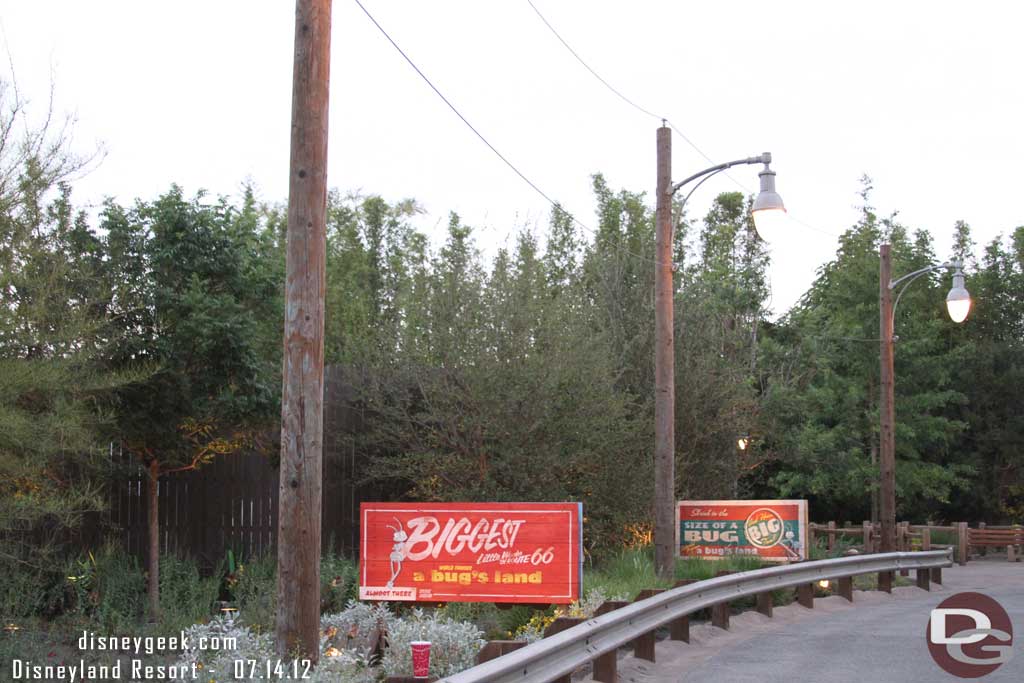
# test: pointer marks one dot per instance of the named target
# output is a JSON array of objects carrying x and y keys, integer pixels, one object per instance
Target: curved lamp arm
[
  {"x": 765, "y": 158},
  {"x": 910, "y": 277}
]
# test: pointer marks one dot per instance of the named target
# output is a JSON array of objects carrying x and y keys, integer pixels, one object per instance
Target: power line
[
  {"x": 587, "y": 66},
  {"x": 452, "y": 107},
  {"x": 648, "y": 112},
  {"x": 501, "y": 156}
]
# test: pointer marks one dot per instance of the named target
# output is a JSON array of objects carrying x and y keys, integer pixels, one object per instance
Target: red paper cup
[{"x": 420, "y": 658}]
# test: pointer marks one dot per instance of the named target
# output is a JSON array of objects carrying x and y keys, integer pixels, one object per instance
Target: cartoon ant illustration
[
  {"x": 397, "y": 551},
  {"x": 791, "y": 547}
]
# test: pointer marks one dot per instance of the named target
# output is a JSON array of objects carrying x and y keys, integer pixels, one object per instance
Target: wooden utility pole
[
  {"x": 298, "y": 531},
  {"x": 664, "y": 369},
  {"x": 887, "y": 439}
]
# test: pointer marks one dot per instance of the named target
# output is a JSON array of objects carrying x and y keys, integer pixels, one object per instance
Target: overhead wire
[
  {"x": 648, "y": 112},
  {"x": 483, "y": 139}
]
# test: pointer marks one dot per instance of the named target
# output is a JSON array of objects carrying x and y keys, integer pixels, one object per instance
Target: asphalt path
[{"x": 877, "y": 638}]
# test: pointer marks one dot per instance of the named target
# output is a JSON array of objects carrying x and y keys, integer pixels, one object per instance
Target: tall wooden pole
[
  {"x": 298, "y": 533},
  {"x": 664, "y": 368},
  {"x": 887, "y": 439}
]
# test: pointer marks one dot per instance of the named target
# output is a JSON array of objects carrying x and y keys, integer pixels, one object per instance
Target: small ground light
[
  {"x": 229, "y": 612},
  {"x": 11, "y": 628},
  {"x": 743, "y": 442},
  {"x": 824, "y": 584}
]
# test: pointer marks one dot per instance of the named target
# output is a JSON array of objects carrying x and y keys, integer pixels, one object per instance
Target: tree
[
  {"x": 503, "y": 389},
  {"x": 190, "y": 286},
  {"x": 53, "y": 391},
  {"x": 991, "y": 375},
  {"x": 828, "y": 433},
  {"x": 720, "y": 311}
]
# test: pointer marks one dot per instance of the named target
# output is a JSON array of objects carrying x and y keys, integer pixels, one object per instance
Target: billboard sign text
[
  {"x": 770, "y": 530},
  {"x": 471, "y": 552}
]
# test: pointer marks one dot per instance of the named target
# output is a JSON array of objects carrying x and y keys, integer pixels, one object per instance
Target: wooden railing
[{"x": 911, "y": 537}]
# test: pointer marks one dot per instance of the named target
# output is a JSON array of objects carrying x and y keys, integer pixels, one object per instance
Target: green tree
[
  {"x": 52, "y": 389},
  {"x": 720, "y": 309},
  {"x": 991, "y": 375},
  {"x": 191, "y": 282},
  {"x": 827, "y": 429}
]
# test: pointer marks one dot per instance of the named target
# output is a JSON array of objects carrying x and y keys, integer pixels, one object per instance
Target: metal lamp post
[
  {"x": 958, "y": 304},
  {"x": 767, "y": 206}
]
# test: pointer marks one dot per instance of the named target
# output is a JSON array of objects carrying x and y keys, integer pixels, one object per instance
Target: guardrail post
[
  {"x": 923, "y": 579},
  {"x": 936, "y": 575},
  {"x": 496, "y": 648},
  {"x": 831, "y": 535},
  {"x": 557, "y": 626},
  {"x": 904, "y": 542},
  {"x": 606, "y": 665},
  {"x": 764, "y": 603},
  {"x": 846, "y": 588},
  {"x": 805, "y": 595},
  {"x": 680, "y": 628},
  {"x": 720, "y": 612},
  {"x": 885, "y": 581},
  {"x": 643, "y": 646},
  {"x": 961, "y": 542}
]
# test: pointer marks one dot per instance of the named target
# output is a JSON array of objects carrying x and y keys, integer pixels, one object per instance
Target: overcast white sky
[{"x": 925, "y": 97}]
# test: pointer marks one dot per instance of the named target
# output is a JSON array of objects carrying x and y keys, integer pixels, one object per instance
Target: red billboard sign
[
  {"x": 770, "y": 530},
  {"x": 471, "y": 552}
]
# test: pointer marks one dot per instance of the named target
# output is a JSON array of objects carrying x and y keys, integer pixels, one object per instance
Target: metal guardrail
[{"x": 563, "y": 653}]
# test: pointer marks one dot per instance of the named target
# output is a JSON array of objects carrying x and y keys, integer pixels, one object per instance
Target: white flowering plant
[
  {"x": 454, "y": 645},
  {"x": 347, "y": 641},
  {"x": 249, "y": 656}
]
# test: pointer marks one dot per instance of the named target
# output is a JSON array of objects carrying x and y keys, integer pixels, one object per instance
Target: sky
[{"x": 923, "y": 97}]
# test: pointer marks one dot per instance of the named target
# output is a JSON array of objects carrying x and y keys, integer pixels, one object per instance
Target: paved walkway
[{"x": 877, "y": 638}]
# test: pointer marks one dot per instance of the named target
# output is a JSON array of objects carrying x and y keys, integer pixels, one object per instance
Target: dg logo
[{"x": 970, "y": 635}]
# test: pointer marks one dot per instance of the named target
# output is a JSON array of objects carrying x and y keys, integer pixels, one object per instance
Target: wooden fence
[
  {"x": 910, "y": 537},
  {"x": 232, "y": 502}
]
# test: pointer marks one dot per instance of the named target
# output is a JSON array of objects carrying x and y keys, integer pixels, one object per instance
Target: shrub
[
  {"x": 339, "y": 583},
  {"x": 247, "y": 660},
  {"x": 355, "y": 626},
  {"x": 255, "y": 592},
  {"x": 185, "y": 596},
  {"x": 120, "y": 590},
  {"x": 453, "y": 645}
]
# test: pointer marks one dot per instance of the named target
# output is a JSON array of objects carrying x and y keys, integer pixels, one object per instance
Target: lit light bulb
[
  {"x": 958, "y": 301},
  {"x": 770, "y": 224},
  {"x": 768, "y": 210},
  {"x": 824, "y": 584}
]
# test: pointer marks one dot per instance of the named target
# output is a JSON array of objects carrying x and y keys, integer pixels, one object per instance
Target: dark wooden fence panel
[{"x": 232, "y": 502}]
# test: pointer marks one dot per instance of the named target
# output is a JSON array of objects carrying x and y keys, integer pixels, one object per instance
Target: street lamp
[
  {"x": 767, "y": 205},
  {"x": 769, "y": 211},
  {"x": 958, "y": 304}
]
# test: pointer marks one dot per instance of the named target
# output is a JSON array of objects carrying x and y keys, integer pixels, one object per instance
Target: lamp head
[
  {"x": 768, "y": 210},
  {"x": 958, "y": 301}
]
